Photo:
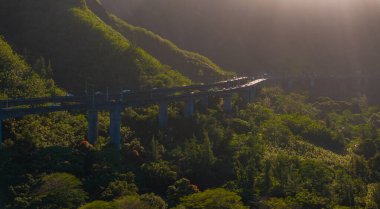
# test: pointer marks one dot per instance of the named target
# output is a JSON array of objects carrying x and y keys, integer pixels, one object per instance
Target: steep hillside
[
  {"x": 274, "y": 36},
  {"x": 82, "y": 48},
  {"x": 193, "y": 65},
  {"x": 17, "y": 79}
]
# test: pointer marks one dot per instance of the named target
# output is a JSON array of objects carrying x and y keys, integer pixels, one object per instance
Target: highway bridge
[{"x": 115, "y": 104}]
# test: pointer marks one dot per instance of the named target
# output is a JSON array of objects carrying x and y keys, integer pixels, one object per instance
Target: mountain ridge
[
  {"x": 193, "y": 65},
  {"x": 81, "y": 47},
  {"x": 276, "y": 37}
]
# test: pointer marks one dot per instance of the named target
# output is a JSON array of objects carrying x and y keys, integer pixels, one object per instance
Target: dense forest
[{"x": 286, "y": 150}]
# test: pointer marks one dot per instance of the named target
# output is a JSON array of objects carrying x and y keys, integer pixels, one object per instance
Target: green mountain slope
[
  {"x": 277, "y": 37},
  {"x": 17, "y": 79},
  {"x": 193, "y": 65},
  {"x": 81, "y": 47}
]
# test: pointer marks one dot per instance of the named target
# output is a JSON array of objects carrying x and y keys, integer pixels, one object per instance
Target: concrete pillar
[
  {"x": 115, "y": 123},
  {"x": 227, "y": 102},
  {"x": 252, "y": 93},
  {"x": 163, "y": 115},
  {"x": 92, "y": 129},
  {"x": 246, "y": 96},
  {"x": 189, "y": 108},
  {"x": 204, "y": 101},
  {"x": 312, "y": 83},
  {"x": 290, "y": 84}
]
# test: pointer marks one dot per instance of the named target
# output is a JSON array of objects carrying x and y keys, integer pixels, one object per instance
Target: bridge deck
[{"x": 21, "y": 107}]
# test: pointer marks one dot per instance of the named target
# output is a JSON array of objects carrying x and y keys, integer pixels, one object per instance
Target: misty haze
[{"x": 277, "y": 36}]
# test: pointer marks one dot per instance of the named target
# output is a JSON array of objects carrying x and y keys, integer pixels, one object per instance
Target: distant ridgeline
[
  {"x": 98, "y": 52},
  {"x": 80, "y": 45},
  {"x": 335, "y": 86},
  {"x": 271, "y": 36},
  {"x": 266, "y": 35}
]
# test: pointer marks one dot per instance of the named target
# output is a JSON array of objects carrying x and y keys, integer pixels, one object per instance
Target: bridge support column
[
  {"x": 163, "y": 115},
  {"x": 290, "y": 84},
  {"x": 204, "y": 101},
  {"x": 312, "y": 83},
  {"x": 92, "y": 129},
  {"x": 189, "y": 108},
  {"x": 249, "y": 95},
  {"x": 227, "y": 103},
  {"x": 246, "y": 96},
  {"x": 252, "y": 94},
  {"x": 115, "y": 123}
]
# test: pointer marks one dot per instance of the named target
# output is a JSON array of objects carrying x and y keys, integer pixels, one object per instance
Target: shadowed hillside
[
  {"x": 81, "y": 47},
  {"x": 17, "y": 79},
  {"x": 195, "y": 66},
  {"x": 274, "y": 36}
]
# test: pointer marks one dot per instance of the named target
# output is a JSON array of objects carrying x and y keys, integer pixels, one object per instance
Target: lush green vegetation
[
  {"x": 18, "y": 79},
  {"x": 81, "y": 47},
  {"x": 196, "y": 67},
  {"x": 283, "y": 151},
  {"x": 287, "y": 150}
]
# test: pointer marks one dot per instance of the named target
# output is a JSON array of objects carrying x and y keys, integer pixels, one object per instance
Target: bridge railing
[{"x": 20, "y": 107}]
